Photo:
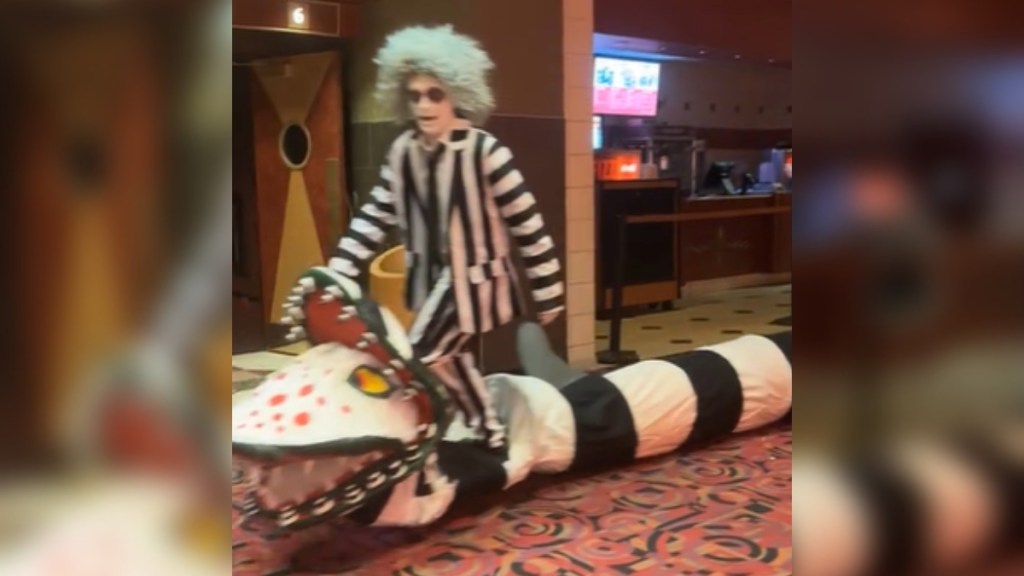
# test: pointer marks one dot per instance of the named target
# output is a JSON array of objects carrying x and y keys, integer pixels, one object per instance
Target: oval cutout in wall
[{"x": 294, "y": 146}]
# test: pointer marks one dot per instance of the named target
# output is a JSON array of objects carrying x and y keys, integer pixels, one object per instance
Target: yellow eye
[{"x": 371, "y": 382}]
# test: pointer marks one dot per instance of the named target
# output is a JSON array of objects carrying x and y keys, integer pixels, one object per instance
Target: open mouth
[
  {"x": 299, "y": 488},
  {"x": 302, "y": 485},
  {"x": 426, "y": 118}
]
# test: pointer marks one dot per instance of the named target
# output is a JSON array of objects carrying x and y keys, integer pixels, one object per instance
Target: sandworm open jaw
[{"x": 301, "y": 487}]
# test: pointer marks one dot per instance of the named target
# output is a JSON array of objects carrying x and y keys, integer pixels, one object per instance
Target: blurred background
[
  {"x": 908, "y": 259},
  {"x": 116, "y": 151}
]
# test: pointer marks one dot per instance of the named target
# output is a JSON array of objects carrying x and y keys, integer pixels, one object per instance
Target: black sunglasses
[{"x": 435, "y": 95}]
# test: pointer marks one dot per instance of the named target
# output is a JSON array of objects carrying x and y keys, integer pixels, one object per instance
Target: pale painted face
[{"x": 430, "y": 105}]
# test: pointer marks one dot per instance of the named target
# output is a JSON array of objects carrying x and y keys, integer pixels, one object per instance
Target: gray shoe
[{"x": 540, "y": 361}]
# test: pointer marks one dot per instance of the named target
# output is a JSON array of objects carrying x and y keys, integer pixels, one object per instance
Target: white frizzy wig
[{"x": 456, "y": 60}]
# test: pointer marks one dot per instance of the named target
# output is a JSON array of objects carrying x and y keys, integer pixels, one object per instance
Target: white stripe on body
[
  {"x": 766, "y": 378},
  {"x": 663, "y": 403}
]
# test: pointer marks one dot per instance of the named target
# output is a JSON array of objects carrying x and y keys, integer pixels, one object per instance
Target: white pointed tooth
[
  {"x": 298, "y": 291},
  {"x": 411, "y": 448},
  {"x": 327, "y": 298},
  {"x": 348, "y": 309},
  {"x": 431, "y": 430},
  {"x": 297, "y": 313},
  {"x": 362, "y": 344},
  {"x": 356, "y": 497},
  {"x": 323, "y": 506},
  {"x": 400, "y": 470},
  {"x": 432, "y": 459},
  {"x": 389, "y": 372},
  {"x": 397, "y": 364},
  {"x": 394, "y": 464},
  {"x": 370, "y": 337},
  {"x": 421, "y": 428},
  {"x": 288, "y": 321},
  {"x": 307, "y": 284},
  {"x": 409, "y": 393},
  {"x": 298, "y": 331},
  {"x": 288, "y": 517},
  {"x": 336, "y": 292},
  {"x": 374, "y": 480},
  {"x": 344, "y": 317},
  {"x": 351, "y": 489}
]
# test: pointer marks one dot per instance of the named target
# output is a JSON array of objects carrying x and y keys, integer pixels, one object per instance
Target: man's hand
[{"x": 549, "y": 316}]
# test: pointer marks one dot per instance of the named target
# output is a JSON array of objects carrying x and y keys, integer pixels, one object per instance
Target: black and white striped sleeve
[
  {"x": 519, "y": 209},
  {"x": 368, "y": 229}
]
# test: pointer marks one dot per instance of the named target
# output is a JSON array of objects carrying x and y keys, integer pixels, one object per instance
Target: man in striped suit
[{"x": 455, "y": 194}]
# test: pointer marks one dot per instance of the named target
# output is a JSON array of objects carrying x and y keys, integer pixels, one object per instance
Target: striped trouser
[{"x": 441, "y": 345}]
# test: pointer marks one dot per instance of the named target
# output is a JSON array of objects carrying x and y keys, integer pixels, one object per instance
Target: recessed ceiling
[{"x": 755, "y": 30}]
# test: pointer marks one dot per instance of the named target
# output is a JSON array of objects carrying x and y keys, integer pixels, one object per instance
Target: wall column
[{"x": 578, "y": 63}]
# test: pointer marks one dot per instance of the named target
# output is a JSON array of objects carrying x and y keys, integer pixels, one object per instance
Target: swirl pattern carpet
[{"x": 723, "y": 509}]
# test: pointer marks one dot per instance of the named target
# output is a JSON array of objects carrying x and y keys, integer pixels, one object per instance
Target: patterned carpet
[{"x": 725, "y": 509}]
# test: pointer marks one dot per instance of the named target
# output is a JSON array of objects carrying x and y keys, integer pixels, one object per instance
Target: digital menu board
[{"x": 625, "y": 87}]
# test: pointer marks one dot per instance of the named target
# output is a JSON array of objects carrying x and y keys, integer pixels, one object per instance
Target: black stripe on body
[
  {"x": 605, "y": 433},
  {"x": 1006, "y": 478},
  {"x": 413, "y": 284},
  {"x": 410, "y": 195},
  {"x": 531, "y": 238},
  {"x": 542, "y": 258},
  {"x": 549, "y": 304},
  {"x": 719, "y": 395},
  {"x": 479, "y": 184},
  {"x": 784, "y": 341},
  {"x": 522, "y": 217},
  {"x": 512, "y": 195},
  {"x": 543, "y": 282},
  {"x": 478, "y": 168},
  {"x": 469, "y": 247},
  {"x": 374, "y": 221},
  {"x": 476, "y": 470},
  {"x": 501, "y": 171},
  {"x": 363, "y": 239},
  {"x": 348, "y": 255},
  {"x": 433, "y": 218},
  {"x": 442, "y": 321},
  {"x": 897, "y": 512}
]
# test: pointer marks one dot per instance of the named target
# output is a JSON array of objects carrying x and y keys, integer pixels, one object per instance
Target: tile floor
[
  {"x": 698, "y": 321},
  {"x": 705, "y": 319}
]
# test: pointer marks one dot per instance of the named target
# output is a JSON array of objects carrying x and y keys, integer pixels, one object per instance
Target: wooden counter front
[
  {"x": 726, "y": 246},
  {"x": 725, "y": 241}
]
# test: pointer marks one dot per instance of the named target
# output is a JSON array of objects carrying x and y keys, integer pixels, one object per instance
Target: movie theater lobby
[{"x": 656, "y": 136}]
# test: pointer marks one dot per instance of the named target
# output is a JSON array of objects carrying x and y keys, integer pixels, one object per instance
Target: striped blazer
[{"x": 470, "y": 182}]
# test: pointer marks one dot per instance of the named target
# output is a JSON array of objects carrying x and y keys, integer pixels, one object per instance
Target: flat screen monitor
[
  {"x": 625, "y": 87},
  {"x": 719, "y": 178}
]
